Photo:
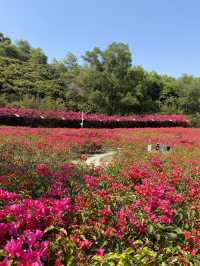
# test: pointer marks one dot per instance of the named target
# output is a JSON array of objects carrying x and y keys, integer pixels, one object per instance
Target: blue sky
[{"x": 163, "y": 35}]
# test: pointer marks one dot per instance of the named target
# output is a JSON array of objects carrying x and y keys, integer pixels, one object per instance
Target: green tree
[
  {"x": 37, "y": 56},
  {"x": 70, "y": 61},
  {"x": 109, "y": 71},
  {"x": 105, "y": 83},
  {"x": 24, "y": 48}
]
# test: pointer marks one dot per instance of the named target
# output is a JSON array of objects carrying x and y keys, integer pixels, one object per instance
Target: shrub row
[{"x": 36, "y": 118}]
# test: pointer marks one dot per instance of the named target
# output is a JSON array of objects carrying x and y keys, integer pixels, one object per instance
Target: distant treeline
[{"x": 106, "y": 82}]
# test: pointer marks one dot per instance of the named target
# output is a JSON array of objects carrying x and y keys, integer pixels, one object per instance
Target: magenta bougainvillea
[
  {"x": 72, "y": 119},
  {"x": 141, "y": 209}
]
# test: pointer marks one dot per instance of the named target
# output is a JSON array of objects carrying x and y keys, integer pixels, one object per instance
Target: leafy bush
[{"x": 195, "y": 120}]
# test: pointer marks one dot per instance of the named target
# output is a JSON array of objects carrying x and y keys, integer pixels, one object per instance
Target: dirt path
[{"x": 99, "y": 159}]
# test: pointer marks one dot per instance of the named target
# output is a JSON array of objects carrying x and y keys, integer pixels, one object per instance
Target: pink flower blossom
[{"x": 100, "y": 252}]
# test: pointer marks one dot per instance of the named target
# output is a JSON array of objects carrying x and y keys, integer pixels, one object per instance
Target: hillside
[{"x": 107, "y": 82}]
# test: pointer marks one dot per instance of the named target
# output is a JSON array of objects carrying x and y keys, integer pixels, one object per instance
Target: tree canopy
[{"x": 107, "y": 82}]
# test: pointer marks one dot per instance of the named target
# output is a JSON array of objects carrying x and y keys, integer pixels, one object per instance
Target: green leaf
[
  {"x": 172, "y": 236},
  {"x": 150, "y": 228},
  {"x": 138, "y": 242},
  {"x": 178, "y": 230},
  {"x": 50, "y": 228},
  {"x": 158, "y": 237},
  {"x": 10, "y": 218}
]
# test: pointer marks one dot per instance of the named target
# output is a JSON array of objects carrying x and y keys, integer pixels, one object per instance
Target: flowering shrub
[
  {"x": 141, "y": 209},
  {"x": 29, "y": 249},
  {"x": 31, "y": 117}
]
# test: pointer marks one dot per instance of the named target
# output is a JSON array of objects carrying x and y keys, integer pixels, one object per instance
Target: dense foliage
[
  {"x": 141, "y": 209},
  {"x": 105, "y": 83},
  {"x": 36, "y": 118}
]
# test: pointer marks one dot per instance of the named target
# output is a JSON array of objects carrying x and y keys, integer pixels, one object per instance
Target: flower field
[{"x": 143, "y": 208}]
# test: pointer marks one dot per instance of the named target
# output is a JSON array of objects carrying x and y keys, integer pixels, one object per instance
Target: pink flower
[
  {"x": 100, "y": 252},
  {"x": 85, "y": 244},
  {"x": 8, "y": 196},
  {"x": 82, "y": 244},
  {"x": 58, "y": 262},
  {"x": 29, "y": 248},
  {"x": 106, "y": 212},
  {"x": 165, "y": 219},
  {"x": 90, "y": 181},
  {"x": 5, "y": 262},
  {"x": 43, "y": 170},
  {"x": 121, "y": 217},
  {"x": 14, "y": 247}
]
